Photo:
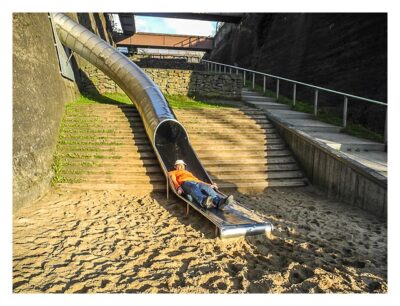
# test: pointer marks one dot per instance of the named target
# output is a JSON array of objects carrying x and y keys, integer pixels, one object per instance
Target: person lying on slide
[{"x": 202, "y": 192}]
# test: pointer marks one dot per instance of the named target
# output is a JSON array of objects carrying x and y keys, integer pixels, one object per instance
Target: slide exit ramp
[{"x": 167, "y": 136}]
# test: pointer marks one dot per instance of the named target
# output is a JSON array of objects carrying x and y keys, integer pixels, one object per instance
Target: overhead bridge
[
  {"x": 221, "y": 17},
  {"x": 167, "y": 41}
]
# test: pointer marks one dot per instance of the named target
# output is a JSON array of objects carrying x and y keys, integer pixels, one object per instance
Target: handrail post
[
  {"x": 244, "y": 77},
  {"x": 254, "y": 79},
  {"x": 345, "y": 102},
  {"x": 167, "y": 187},
  {"x": 264, "y": 79},
  {"x": 294, "y": 94},
  {"x": 224, "y": 69},
  {"x": 277, "y": 89},
  {"x": 220, "y": 68},
  {"x": 230, "y": 70},
  {"x": 237, "y": 71},
  {"x": 316, "y": 102},
  {"x": 385, "y": 132}
]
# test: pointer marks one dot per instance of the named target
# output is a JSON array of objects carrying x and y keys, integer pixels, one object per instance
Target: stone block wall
[
  {"x": 171, "y": 81},
  {"x": 167, "y": 62},
  {"x": 93, "y": 80}
]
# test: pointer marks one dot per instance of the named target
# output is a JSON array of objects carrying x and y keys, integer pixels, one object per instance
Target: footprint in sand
[{"x": 300, "y": 274}]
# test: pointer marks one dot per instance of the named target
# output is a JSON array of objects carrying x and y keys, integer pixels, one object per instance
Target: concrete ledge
[{"x": 341, "y": 177}]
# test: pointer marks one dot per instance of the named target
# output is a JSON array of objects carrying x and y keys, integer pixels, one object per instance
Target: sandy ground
[{"x": 121, "y": 242}]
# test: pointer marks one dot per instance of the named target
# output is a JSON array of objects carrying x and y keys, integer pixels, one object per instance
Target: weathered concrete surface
[
  {"x": 340, "y": 174},
  {"x": 39, "y": 94},
  {"x": 347, "y": 143},
  {"x": 125, "y": 242}
]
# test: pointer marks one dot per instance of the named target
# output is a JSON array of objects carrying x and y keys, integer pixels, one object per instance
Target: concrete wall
[
  {"x": 339, "y": 176},
  {"x": 341, "y": 51},
  {"x": 39, "y": 95}
]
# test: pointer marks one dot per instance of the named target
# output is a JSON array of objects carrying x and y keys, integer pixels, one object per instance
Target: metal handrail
[
  {"x": 211, "y": 65},
  {"x": 300, "y": 83}
]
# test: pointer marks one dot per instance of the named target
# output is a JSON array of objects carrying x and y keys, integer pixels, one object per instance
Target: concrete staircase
[
  {"x": 301, "y": 121},
  {"x": 104, "y": 146},
  {"x": 369, "y": 153}
]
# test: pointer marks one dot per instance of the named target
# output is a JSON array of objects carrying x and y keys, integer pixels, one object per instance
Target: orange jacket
[{"x": 180, "y": 176}]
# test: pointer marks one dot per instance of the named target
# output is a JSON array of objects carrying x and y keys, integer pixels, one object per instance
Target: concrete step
[
  {"x": 252, "y": 168},
  {"x": 290, "y": 114},
  {"x": 110, "y": 169},
  {"x": 138, "y": 187},
  {"x": 245, "y": 187},
  {"x": 245, "y": 140},
  {"x": 123, "y": 177},
  {"x": 213, "y": 170},
  {"x": 203, "y": 154},
  {"x": 107, "y": 155},
  {"x": 195, "y": 141},
  {"x": 251, "y": 91},
  {"x": 269, "y": 105},
  {"x": 115, "y": 178},
  {"x": 245, "y": 161},
  {"x": 256, "y": 98},
  {"x": 260, "y": 186},
  {"x": 227, "y": 126},
  {"x": 225, "y": 162},
  {"x": 93, "y": 162},
  {"x": 148, "y": 148},
  {"x": 347, "y": 143},
  {"x": 89, "y": 125},
  {"x": 232, "y": 142},
  {"x": 311, "y": 125},
  {"x": 220, "y": 117},
  {"x": 227, "y": 131},
  {"x": 257, "y": 176},
  {"x": 230, "y": 154},
  {"x": 232, "y": 135},
  {"x": 105, "y": 150}
]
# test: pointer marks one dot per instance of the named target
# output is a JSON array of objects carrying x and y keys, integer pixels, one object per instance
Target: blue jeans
[{"x": 200, "y": 191}]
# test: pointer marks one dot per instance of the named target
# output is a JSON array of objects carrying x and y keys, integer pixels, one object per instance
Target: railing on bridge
[{"x": 218, "y": 67}]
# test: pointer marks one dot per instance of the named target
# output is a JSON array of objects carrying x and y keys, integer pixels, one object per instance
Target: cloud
[
  {"x": 174, "y": 26},
  {"x": 191, "y": 27}
]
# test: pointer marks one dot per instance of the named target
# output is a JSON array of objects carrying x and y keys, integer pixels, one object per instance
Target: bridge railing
[{"x": 220, "y": 67}]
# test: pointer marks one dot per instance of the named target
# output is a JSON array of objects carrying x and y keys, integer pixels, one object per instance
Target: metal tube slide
[{"x": 167, "y": 136}]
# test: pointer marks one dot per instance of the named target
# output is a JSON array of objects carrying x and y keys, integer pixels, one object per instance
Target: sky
[{"x": 174, "y": 26}]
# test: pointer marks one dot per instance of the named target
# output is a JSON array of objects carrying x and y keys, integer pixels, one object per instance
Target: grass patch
[
  {"x": 57, "y": 167},
  {"x": 308, "y": 107},
  {"x": 182, "y": 102},
  {"x": 107, "y": 98},
  {"x": 175, "y": 101}
]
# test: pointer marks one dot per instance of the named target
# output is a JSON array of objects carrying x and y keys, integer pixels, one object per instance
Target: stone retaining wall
[{"x": 171, "y": 81}]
